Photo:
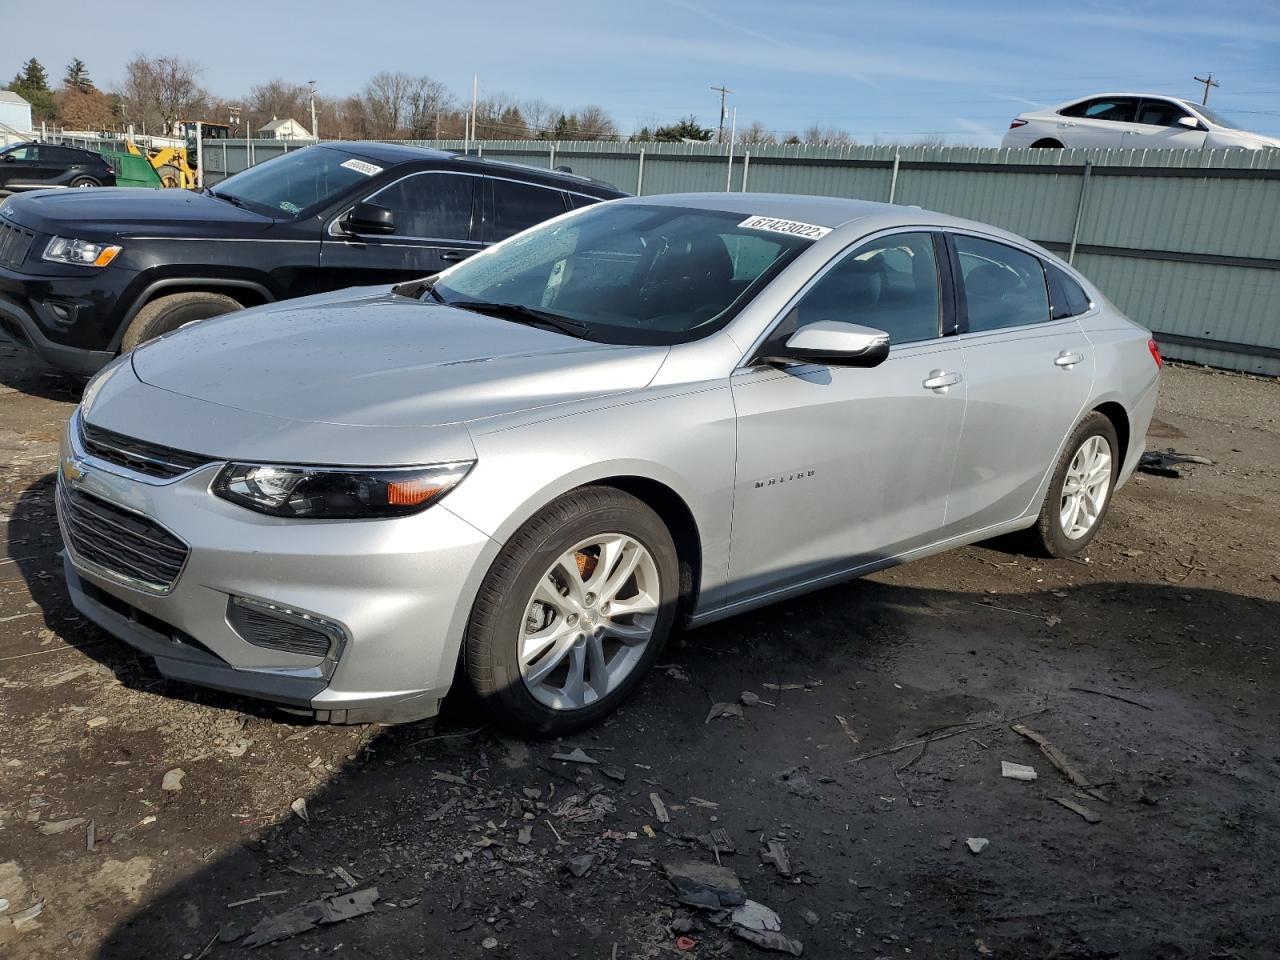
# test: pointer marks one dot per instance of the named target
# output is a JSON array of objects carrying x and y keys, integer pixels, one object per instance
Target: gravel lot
[{"x": 1151, "y": 668}]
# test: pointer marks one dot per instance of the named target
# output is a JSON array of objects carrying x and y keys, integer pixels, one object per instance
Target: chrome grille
[
  {"x": 150, "y": 459},
  {"x": 15, "y": 243},
  {"x": 124, "y": 544}
]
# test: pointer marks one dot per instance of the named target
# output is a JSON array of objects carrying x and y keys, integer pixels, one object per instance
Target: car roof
[
  {"x": 821, "y": 211},
  {"x": 394, "y": 153},
  {"x": 1131, "y": 94}
]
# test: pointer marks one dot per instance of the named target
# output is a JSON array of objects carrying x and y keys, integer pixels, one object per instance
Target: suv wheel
[
  {"x": 165, "y": 314},
  {"x": 85, "y": 182},
  {"x": 1080, "y": 492},
  {"x": 573, "y": 613}
]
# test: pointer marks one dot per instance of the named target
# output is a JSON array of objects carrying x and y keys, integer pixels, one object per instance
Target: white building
[
  {"x": 15, "y": 112},
  {"x": 284, "y": 130}
]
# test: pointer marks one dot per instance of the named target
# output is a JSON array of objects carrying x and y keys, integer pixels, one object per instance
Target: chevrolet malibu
[{"x": 526, "y": 471}]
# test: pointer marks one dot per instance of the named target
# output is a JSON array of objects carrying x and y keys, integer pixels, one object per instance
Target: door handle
[
  {"x": 939, "y": 380},
  {"x": 453, "y": 256},
  {"x": 1068, "y": 359}
]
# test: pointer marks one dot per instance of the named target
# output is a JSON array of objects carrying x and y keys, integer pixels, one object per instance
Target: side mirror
[
  {"x": 9, "y": 158},
  {"x": 836, "y": 344},
  {"x": 368, "y": 218},
  {"x": 1190, "y": 123}
]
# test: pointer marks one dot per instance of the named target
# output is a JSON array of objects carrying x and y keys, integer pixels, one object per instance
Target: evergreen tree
[
  {"x": 77, "y": 77},
  {"x": 33, "y": 76},
  {"x": 32, "y": 84},
  {"x": 686, "y": 129}
]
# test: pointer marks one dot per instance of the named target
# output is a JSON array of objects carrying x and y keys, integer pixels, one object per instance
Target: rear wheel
[
  {"x": 170, "y": 176},
  {"x": 168, "y": 313},
  {"x": 1080, "y": 491},
  {"x": 1047, "y": 143},
  {"x": 85, "y": 182},
  {"x": 573, "y": 613}
]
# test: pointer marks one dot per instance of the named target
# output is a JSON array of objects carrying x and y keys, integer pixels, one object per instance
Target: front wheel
[
  {"x": 1080, "y": 491},
  {"x": 573, "y": 613},
  {"x": 167, "y": 313}
]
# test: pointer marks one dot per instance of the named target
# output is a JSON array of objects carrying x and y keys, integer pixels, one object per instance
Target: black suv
[
  {"x": 85, "y": 275},
  {"x": 34, "y": 166}
]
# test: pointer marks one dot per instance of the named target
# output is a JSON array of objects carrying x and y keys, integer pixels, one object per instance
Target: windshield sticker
[
  {"x": 791, "y": 227},
  {"x": 359, "y": 166},
  {"x": 288, "y": 207}
]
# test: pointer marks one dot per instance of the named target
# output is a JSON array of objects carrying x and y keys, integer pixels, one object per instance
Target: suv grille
[
  {"x": 150, "y": 459},
  {"x": 122, "y": 543},
  {"x": 14, "y": 244}
]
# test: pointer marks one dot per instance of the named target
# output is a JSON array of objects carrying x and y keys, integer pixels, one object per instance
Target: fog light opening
[{"x": 288, "y": 630}]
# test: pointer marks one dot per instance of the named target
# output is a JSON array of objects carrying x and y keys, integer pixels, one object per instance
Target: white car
[{"x": 1131, "y": 121}]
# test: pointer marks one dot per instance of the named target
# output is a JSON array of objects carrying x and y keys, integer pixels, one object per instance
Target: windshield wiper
[
  {"x": 234, "y": 201},
  {"x": 519, "y": 313}
]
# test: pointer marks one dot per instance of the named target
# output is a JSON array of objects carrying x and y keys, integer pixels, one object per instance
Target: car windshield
[
  {"x": 296, "y": 182},
  {"x": 1214, "y": 117},
  {"x": 628, "y": 273}
]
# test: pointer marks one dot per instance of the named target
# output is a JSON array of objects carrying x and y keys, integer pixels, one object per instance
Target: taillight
[
  {"x": 1155, "y": 353},
  {"x": 1016, "y": 123}
]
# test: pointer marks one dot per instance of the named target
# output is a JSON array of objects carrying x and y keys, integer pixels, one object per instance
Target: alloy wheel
[
  {"x": 588, "y": 621},
  {"x": 1086, "y": 487}
]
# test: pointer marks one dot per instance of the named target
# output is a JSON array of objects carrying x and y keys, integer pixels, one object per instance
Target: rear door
[
  {"x": 1103, "y": 122},
  {"x": 1158, "y": 125},
  {"x": 435, "y": 215},
  {"x": 1030, "y": 372},
  {"x": 516, "y": 205}
]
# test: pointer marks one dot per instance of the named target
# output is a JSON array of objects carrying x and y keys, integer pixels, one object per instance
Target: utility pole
[
  {"x": 1208, "y": 82},
  {"x": 315, "y": 131},
  {"x": 724, "y": 91},
  {"x": 475, "y": 86}
]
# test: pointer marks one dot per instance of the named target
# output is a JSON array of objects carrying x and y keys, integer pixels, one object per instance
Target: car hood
[
  {"x": 121, "y": 211},
  {"x": 371, "y": 358}
]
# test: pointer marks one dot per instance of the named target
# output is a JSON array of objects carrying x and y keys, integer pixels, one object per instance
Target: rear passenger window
[
  {"x": 518, "y": 206},
  {"x": 1003, "y": 286},
  {"x": 1066, "y": 297},
  {"x": 1117, "y": 109},
  {"x": 890, "y": 284},
  {"x": 578, "y": 200}
]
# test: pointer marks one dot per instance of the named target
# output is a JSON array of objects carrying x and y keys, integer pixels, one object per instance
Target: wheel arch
[
  {"x": 1119, "y": 418},
  {"x": 1047, "y": 143},
  {"x": 249, "y": 293},
  {"x": 675, "y": 513}
]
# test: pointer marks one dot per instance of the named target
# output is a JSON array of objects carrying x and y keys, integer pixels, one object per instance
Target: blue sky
[{"x": 894, "y": 70}]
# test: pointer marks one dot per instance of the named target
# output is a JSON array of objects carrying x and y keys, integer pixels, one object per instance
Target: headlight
[
  {"x": 337, "y": 493},
  {"x": 80, "y": 253}
]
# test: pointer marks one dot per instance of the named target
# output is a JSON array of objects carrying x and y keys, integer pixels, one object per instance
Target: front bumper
[
  {"x": 66, "y": 320},
  {"x": 400, "y": 589}
]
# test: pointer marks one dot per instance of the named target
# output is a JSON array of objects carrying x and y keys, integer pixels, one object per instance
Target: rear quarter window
[{"x": 1066, "y": 297}]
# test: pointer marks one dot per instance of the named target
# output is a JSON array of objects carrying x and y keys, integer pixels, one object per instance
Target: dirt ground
[{"x": 1151, "y": 667}]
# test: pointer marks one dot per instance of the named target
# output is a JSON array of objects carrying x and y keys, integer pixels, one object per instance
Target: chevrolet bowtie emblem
[{"x": 73, "y": 470}]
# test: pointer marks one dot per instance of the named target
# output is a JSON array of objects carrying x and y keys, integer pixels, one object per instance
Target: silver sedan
[{"x": 653, "y": 412}]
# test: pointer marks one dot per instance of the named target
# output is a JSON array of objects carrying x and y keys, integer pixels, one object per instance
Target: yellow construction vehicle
[{"x": 172, "y": 163}]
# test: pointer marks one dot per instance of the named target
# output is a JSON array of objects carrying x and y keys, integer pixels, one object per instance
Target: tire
[
  {"x": 170, "y": 176},
  {"x": 85, "y": 182},
  {"x": 1047, "y": 144},
  {"x": 505, "y": 611},
  {"x": 168, "y": 313},
  {"x": 1050, "y": 532}
]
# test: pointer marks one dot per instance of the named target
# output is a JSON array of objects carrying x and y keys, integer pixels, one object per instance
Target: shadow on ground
[{"x": 1164, "y": 697}]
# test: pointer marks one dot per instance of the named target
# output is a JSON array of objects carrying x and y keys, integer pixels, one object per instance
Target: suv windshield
[
  {"x": 297, "y": 181},
  {"x": 628, "y": 273}
]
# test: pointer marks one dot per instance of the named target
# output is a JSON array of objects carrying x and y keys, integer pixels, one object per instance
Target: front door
[
  {"x": 1158, "y": 125},
  {"x": 841, "y": 465},
  {"x": 1029, "y": 378},
  {"x": 434, "y": 213},
  {"x": 22, "y": 168},
  {"x": 1103, "y": 122}
]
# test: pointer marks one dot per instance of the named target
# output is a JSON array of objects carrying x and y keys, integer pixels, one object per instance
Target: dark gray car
[{"x": 40, "y": 166}]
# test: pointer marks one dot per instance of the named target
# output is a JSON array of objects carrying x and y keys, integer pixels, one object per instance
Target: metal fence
[{"x": 1185, "y": 242}]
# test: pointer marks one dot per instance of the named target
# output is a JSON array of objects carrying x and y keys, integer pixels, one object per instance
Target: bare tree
[
  {"x": 830, "y": 136},
  {"x": 756, "y": 132},
  {"x": 157, "y": 92},
  {"x": 386, "y": 98},
  {"x": 278, "y": 100},
  {"x": 595, "y": 124},
  {"x": 426, "y": 102},
  {"x": 539, "y": 116}
]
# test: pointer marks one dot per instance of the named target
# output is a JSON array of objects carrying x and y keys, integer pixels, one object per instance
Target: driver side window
[{"x": 890, "y": 284}]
